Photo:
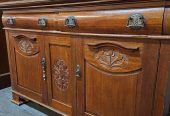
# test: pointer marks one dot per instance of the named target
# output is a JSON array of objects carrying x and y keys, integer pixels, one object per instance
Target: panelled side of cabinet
[
  {"x": 116, "y": 79},
  {"x": 162, "y": 97},
  {"x": 162, "y": 101}
]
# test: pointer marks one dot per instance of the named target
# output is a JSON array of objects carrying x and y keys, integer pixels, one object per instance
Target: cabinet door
[
  {"x": 26, "y": 52},
  {"x": 117, "y": 77},
  {"x": 61, "y": 79}
]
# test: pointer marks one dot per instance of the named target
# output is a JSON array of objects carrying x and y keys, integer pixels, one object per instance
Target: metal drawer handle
[
  {"x": 42, "y": 21},
  {"x": 70, "y": 21},
  {"x": 136, "y": 21},
  {"x": 78, "y": 72},
  {"x": 10, "y": 21}
]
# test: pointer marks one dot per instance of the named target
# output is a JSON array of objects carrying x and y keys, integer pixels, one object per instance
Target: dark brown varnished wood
[
  {"x": 99, "y": 67},
  {"x": 30, "y": 21},
  {"x": 162, "y": 87},
  {"x": 60, "y": 72},
  {"x": 110, "y": 89},
  {"x": 166, "y": 25},
  {"x": 17, "y": 3},
  {"x": 113, "y": 21},
  {"x": 25, "y": 54},
  {"x": 106, "y": 22}
]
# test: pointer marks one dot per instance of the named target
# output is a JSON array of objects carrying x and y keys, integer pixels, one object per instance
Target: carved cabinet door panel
[
  {"x": 61, "y": 79},
  {"x": 26, "y": 52},
  {"x": 117, "y": 77}
]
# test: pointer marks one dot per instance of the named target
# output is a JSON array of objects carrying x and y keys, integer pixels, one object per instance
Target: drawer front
[
  {"x": 29, "y": 21},
  {"x": 132, "y": 21}
]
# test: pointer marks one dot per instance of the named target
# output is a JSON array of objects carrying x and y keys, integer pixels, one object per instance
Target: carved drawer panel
[
  {"x": 30, "y": 21},
  {"x": 114, "y": 57},
  {"x": 129, "y": 21}
]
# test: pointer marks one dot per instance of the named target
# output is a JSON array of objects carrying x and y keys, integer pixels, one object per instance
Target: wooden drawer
[
  {"x": 129, "y": 21},
  {"x": 27, "y": 21}
]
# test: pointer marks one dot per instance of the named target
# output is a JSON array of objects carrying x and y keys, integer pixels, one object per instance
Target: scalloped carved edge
[
  {"x": 113, "y": 44},
  {"x": 23, "y": 36},
  {"x": 114, "y": 57}
]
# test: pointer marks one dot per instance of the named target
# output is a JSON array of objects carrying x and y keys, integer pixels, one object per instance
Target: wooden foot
[{"x": 16, "y": 99}]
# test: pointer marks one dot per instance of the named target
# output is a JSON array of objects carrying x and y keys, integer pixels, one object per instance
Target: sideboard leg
[{"x": 16, "y": 99}]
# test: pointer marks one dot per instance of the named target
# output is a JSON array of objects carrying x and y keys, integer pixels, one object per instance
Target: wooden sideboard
[
  {"x": 90, "y": 58},
  {"x": 4, "y": 66}
]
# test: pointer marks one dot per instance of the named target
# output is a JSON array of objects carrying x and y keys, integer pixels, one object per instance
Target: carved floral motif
[
  {"x": 61, "y": 74},
  {"x": 25, "y": 46},
  {"x": 111, "y": 58}
]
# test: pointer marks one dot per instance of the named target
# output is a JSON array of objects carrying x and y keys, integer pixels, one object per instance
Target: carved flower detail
[
  {"x": 61, "y": 75},
  {"x": 25, "y": 46},
  {"x": 111, "y": 58}
]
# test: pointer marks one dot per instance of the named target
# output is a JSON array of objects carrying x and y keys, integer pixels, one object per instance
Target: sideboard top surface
[{"x": 5, "y": 4}]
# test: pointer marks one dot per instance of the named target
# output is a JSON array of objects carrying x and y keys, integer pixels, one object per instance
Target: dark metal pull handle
[
  {"x": 78, "y": 71},
  {"x": 42, "y": 22},
  {"x": 70, "y": 21},
  {"x": 136, "y": 21},
  {"x": 10, "y": 21},
  {"x": 43, "y": 63}
]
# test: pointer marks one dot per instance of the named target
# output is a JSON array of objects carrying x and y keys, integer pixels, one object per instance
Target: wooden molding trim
[{"x": 154, "y": 37}]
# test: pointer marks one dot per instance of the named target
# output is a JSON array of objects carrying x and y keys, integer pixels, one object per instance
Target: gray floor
[{"x": 30, "y": 109}]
